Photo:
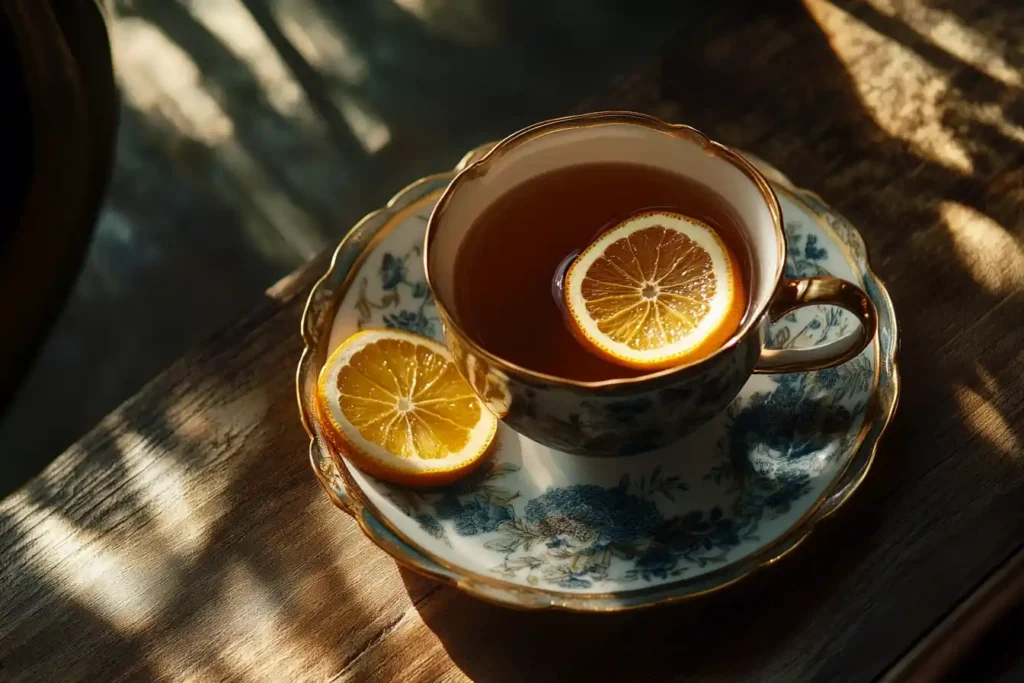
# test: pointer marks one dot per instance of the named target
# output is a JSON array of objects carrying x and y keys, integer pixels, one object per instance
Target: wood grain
[
  {"x": 963, "y": 627},
  {"x": 185, "y": 538}
]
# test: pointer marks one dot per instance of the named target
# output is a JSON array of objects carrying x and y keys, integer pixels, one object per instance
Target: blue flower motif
[
  {"x": 813, "y": 252},
  {"x": 479, "y": 518},
  {"x": 696, "y": 531},
  {"x": 448, "y": 507},
  {"x": 430, "y": 525},
  {"x": 420, "y": 290},
  {"x": 656, "y": 563},
  {"x": 610, "y": 514},
  {"x": 814, "y": 324},
  {"x": 574, "y": 581},
  {"x": 392, "y": 271},
  {"x": 827, "y": 379},
  {"x": 595, "y": 549},
  {"x": 416, "y": 323},
  {"x": 788, "y": 421}
]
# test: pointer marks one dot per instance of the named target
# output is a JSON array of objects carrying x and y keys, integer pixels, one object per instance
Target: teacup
[{"x": 630, "y": 415}]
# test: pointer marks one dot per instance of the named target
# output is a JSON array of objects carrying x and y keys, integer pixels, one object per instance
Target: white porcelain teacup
[{"x": 629, "y": 415}]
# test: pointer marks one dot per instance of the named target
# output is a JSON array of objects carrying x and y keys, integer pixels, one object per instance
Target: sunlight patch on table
[
  {"x": 235, "y": 27},
  {"x": 253, "y": 630},
  {"x": 947, "y": 31},
  {"x": 123, "y": 584},
  {"x": 991, "y": 254},
  {"x": 161, "y": 483},
  {"x": 463, "y": 21},
  {"x": 233, "y": 629},
  {"x": 988, "y": 381},
  {"x": 156, "y": 75},
  {"x": 320, "y": 42},
  {"x": 988, "y": 422},
  {"x": 371, "y": 131},
  {"x": 325, "y": 50},
  {"x": 163, "y": 82},
  {"x": 905, "y": 94},
  {"x": 993, "y": 114},
  {"x": 208, "y": 426}
]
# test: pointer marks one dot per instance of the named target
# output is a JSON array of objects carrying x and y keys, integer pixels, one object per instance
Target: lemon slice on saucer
[
  {"x": 398, "y": 408},
  {"x": 657, "y": 290}
]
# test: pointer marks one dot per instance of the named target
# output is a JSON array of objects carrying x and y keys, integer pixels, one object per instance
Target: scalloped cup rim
[{"x": 477, "y": 165}]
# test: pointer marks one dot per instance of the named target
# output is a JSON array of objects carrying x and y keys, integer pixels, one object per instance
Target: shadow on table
[{"x": 948, "y": 200}]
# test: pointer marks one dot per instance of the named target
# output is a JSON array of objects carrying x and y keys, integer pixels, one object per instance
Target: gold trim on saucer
[{"x": 351, "y": 499}]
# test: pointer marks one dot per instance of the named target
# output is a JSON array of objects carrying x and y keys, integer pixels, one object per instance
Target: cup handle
[{"x": 816, "y": 291}]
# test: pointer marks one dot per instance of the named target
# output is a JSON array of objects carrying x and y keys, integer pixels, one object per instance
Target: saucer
[{"x": 535, "y": 528}]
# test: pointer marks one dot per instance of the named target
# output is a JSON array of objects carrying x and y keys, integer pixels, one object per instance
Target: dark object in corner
[{"x": 58, "y": 127}]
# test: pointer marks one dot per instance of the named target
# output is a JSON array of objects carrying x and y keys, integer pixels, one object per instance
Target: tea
[{"x": 509, "y": 263}]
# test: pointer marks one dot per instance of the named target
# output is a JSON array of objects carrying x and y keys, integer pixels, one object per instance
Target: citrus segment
[
  {"x": 398, "y": 407},
  {"x": 656, "y": 290}
]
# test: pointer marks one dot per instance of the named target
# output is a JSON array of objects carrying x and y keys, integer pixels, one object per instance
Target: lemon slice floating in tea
[
  {"x": 658, "y": 289},
  {"x": 397, "y": 406}
]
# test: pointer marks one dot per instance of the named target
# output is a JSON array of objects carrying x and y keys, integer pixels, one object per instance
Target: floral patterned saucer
[{"x": 535, "y": 528}]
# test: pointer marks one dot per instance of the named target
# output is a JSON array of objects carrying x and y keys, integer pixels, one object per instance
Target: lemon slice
[
  {"x": 657, "y": 290},
  {"x": 395, "y": 403}
]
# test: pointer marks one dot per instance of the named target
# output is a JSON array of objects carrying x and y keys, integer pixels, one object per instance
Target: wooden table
[{"x": 186, "y": 538}]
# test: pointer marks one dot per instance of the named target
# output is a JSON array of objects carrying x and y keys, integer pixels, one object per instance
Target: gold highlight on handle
[{"x": 818, "y": 291}]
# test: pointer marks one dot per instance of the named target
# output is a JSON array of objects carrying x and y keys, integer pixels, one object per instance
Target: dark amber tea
[{"x": 509, "y": 266}]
